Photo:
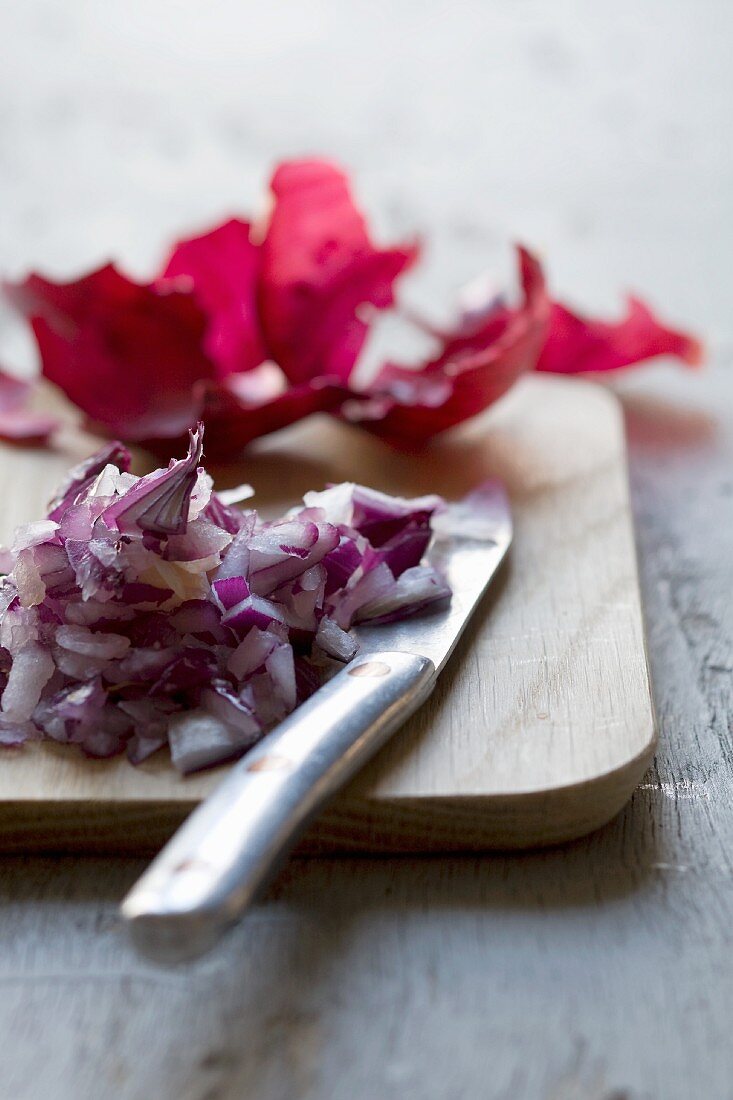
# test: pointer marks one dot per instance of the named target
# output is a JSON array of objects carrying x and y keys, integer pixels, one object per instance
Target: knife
[{"x": 227, "y": 850}]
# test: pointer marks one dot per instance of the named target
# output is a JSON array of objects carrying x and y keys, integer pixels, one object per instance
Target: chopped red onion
[
  {"x": 334, "y": 641},
  {"x": 415, "y": 590},
  {"x": 199, "y": 740},
  {"x": 145, "y": 612}
]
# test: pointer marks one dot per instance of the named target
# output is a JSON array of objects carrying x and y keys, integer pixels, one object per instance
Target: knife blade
[{"x": 227, "y": 850}]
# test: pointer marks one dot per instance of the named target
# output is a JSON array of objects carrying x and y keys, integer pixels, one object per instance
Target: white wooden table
[{"x": 601, "y": 134}]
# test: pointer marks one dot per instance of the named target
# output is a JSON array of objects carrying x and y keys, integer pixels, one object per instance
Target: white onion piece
[
  {"x": 474, "y": 517},
  {"x": 252, "y": 653},
  {"x": 201, "y": 494},
  {"x": 235, "y": 496},
  {"x": 31, "y": 670},
  {"x": 282, "y": 671},
  {"x": 372, "y": 586},
  {"x": 417, "y": 589},
  {"x": 31, "y": 589},
  {"x": 198, "y": 740},
  {"x": 335, "y": 503},
  {"x": 108, "y": 482},
  {"x": 334, "y": 641},
  {"x": 33, "y": 534},
  {"x": 81, "y": 640}
]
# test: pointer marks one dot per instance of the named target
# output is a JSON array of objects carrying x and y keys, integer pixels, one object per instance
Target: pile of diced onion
[{"x": 145, "y": 612}]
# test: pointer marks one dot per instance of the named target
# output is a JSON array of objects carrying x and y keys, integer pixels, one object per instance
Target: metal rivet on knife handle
[{"x": 370, "y": 668}]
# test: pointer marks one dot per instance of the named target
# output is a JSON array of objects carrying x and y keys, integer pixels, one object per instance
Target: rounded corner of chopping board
[
  {"x": 543, "y": 724},
  {"x": 518, "y": 821}
]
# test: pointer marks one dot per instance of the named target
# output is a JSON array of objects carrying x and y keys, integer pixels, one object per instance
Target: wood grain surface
[
  {"x": 541, "y": 726},
  {"x": 600, "y": 970}
]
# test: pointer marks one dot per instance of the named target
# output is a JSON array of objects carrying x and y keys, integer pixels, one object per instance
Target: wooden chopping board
[{"x": 540, "y": 727}]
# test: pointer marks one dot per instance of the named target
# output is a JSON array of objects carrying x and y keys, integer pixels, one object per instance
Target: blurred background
[{"x": 596, "y": 134}]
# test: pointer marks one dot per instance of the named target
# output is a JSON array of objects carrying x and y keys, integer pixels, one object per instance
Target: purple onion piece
[
  {"x": 159, "y": 502},
  {"x": 84, "y": 475}
]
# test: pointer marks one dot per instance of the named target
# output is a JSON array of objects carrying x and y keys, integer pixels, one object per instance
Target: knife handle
[{"x": 218, "y": 861}]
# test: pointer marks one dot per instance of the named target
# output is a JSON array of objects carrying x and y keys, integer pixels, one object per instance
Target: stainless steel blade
[
  {"x": 205, "y": 878},
  {"x": 469, "y": 563}
]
